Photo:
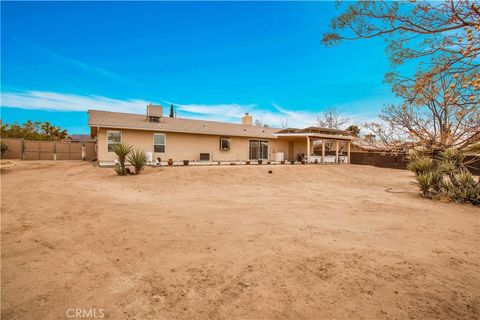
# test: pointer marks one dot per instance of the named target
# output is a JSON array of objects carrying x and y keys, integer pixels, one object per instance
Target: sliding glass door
[
  {"x": 263, "y": 150},
  {"x": 258, "y": 150}
]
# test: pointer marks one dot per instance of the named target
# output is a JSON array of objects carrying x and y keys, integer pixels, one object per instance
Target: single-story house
[{"x": 198, "y": 140}]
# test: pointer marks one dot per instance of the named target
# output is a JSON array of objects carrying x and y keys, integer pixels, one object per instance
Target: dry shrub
[{"x": 445, "y": 177}]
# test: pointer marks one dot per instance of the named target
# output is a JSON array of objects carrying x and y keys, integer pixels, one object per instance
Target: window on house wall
[
  {"x": 225, "y": 144},
  {"x": 159, "y": 142},
  {"x": 113, "y": 138}
]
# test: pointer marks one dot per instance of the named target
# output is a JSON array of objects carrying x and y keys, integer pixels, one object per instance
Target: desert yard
[{"x": 233, "y": 242}]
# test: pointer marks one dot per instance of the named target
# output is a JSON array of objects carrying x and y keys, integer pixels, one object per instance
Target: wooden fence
[
  {"x": 49, "y": 150},
  {"x": 400, "y": 161},
  {"x": 473, "y": 164},
  {"x": 379, "y": 160}
]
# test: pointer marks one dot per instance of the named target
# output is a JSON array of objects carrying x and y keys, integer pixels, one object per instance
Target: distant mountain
[{"x": 79, "y": 137}]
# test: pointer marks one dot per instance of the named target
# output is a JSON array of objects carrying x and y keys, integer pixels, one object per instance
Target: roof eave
[{"x": 266, "y": 136}]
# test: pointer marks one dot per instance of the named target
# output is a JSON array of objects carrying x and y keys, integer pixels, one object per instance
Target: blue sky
[{"x": 212, "y": 60}]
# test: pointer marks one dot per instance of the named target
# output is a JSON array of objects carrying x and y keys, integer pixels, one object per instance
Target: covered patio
[{"x": 318, "y": 145}]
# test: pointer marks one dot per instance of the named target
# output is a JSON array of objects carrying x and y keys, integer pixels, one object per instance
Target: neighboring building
[
  {"x": 198, "y": 140},
  {"x": 368, "y": 144}
]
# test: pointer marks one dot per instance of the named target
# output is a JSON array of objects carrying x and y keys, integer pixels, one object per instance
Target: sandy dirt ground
[{"x": 233, "y": 242}]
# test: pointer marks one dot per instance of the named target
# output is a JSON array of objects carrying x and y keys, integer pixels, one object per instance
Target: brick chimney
[
  {"x": 370, "y": 138},
  {"x": 247, "y": 119}
]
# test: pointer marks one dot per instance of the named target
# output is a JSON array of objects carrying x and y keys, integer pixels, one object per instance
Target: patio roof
[
  {"x": 313, "y": 129},
  {"x": 316, "y": 132}
]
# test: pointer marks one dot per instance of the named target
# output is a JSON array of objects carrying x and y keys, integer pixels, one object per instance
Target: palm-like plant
[
  {"x": 122, "y": 150},
  {"x": 420, "y": 165},
  {"x": 138, "y": 159},
  {"x": 445, "y": 177}
]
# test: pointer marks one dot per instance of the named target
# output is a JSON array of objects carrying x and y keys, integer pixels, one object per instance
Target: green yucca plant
[
  {"x": 138, "y": 159},
  {"x": 122, "y": 150},
  {"x": 430, "y": 183},
  {"x": 465, "y": 189},
  {"x": 455, "y": 157},
  {"x": 473, "y": 148},
  {"x": 447, "y": 167},
  {"x": 420, "y": 165},
  {"x": 445, "y": 177}
]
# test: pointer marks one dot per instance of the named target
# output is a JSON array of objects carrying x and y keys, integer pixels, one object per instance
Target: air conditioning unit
[{"x": 279, "y": 156}]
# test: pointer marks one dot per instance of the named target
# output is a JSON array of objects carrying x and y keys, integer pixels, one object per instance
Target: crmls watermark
[{"x": 85, "y": 313}]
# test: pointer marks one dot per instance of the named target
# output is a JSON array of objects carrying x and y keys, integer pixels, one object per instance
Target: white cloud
[
  {"x": 296, "y": 118},
  {"x": 45, "y": 100},
  {"x": 274, "y": 116},
  {"x": 234, "y": 112},
  {"x": 231, "y": 110}
]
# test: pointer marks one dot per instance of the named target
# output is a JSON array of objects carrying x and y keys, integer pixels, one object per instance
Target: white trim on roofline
[{"x": 319, "y": 135}]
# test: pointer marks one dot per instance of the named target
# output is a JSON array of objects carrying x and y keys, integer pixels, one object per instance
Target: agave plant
[
  {"x": 138, "y": 159},
  {"x": 122, "y": 150}
]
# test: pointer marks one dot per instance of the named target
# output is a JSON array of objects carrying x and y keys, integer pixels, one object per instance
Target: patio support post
[
  {"x": 348, "y": 152},
  {"x": 323, "y": 151},
  {"x": 336, "y": 151},
  {"x": 308, "y": 149}
]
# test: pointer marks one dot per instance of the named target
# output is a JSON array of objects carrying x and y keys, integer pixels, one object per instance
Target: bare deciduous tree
[
  {"x": 446, "y": 31},
  {"x": 331, "y": 119},
  {"x": 441, "y": 102},
  {"x": 260, "y": 123},
  {"x": 433, "y": 116}
]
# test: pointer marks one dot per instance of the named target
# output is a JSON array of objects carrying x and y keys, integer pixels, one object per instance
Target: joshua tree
[{"x": 122, "y": 151}]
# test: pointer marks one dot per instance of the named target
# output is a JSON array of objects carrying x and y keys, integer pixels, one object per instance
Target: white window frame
[
  {"x": 164, "y": 142},
  {"x": 108, "y": 143}
]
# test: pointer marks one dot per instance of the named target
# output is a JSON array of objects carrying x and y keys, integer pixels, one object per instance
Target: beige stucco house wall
[
  {"x": 186, "y": 139},
  {"x": 188, "y": 146}
]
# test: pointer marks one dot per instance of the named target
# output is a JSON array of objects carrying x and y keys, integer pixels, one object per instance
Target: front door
[
  {"x": 258, "y": 150},
  {"x": 290, "y": 151}
]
